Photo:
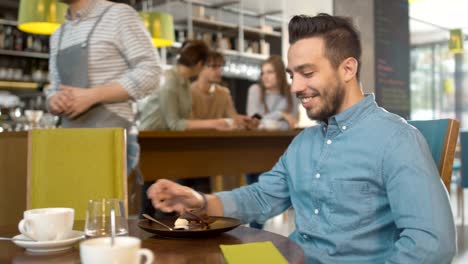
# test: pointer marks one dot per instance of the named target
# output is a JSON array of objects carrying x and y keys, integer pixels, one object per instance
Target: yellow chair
[{"x": 68, "y": 167}]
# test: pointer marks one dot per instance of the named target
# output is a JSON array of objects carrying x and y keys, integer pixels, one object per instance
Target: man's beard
[{"x": 332, "y": 102}]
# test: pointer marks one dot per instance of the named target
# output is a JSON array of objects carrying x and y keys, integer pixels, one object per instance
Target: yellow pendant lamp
[
  {"x": 41, "y": 16},
  {"x": 161, "y": 27}
]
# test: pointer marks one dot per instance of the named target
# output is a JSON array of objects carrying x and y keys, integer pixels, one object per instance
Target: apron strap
[
  {"x": 96, "y": 24},
  {"x": 84, "y": 44}
]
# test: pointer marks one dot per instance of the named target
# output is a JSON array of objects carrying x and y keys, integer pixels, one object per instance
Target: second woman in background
[{"x": 271, "y": 98}]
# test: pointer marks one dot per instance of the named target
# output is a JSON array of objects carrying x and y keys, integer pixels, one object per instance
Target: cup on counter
[
  {"x": 47, "y": 224},
  {"x": 269, "y": 124},
  {"x": 125, "y": 250},
  {"x": 98, "y": 218}
]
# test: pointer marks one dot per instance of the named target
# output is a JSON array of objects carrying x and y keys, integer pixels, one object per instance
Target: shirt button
[
  {"x": 316, "y": 211},
  {"x": 305, "y": 236},
  {"x": 344, "y": 127},
  {"x": 317, "y": 175},
  {"x": 329, "y": 141},
  {"x": 324, "y": 128}
]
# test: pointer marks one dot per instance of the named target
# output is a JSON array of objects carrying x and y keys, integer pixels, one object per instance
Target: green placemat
[{"x": 253, "y": 253}]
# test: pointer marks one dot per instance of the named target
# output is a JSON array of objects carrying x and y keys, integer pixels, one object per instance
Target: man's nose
[{"x": 297, "y": 85}]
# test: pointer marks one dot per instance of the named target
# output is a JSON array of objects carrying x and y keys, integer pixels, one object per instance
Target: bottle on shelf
[
  {"x": 2, "y": 36},
  {"x": 8, "y": 38},
  {"x": 37, "y": 45},
  {"x": 30, "y": 43},
  {"x": 18, "y": 40}
]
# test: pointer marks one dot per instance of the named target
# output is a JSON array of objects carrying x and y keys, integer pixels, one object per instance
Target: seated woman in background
[
  {"x": 272, "y": 100},
  {"x": 170, "y": 107}
]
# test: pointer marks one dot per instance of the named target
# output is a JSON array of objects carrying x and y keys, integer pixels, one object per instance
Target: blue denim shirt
[{"x": 365, "y": 189}]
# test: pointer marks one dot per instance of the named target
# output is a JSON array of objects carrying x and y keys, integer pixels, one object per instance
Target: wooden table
[
  {"x": 173, "y": 251},
  {"x": 188, "y": 154}
]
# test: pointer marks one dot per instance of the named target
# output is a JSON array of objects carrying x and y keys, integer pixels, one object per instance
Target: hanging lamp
[
  {"x": 41, "y": 16},
  {"x": 161, "y": 27}
]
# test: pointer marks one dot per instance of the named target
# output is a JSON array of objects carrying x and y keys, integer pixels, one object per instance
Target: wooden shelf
[
  {"x": 230, "y": 27},
  {"x": 248, "y": 55},
  {"x": 28, "y": 54},
  {"x": 209, "y": 24},
  {"x": 8, "y": 22},
  {"x": 252, "y": 32},
  {"x": 18, "y": 85}
]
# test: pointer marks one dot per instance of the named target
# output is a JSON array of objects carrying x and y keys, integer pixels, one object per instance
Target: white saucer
[{"x": 49, "y": 246}]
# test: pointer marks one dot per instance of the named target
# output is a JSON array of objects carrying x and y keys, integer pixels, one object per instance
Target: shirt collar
[
  {"x": 360, "y": 110},
  {"x": 84, "y": 12}
]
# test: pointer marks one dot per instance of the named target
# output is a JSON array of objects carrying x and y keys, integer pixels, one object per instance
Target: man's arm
[
  {"x": 169, "y": 104},
  {"x": 260, "y": 201},
  {"x": 419, "y": 202},
  {"x": 134, "y": 42}
]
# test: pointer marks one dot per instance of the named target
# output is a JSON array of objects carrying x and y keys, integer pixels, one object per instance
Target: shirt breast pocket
[{"x": 351, "y": 204}]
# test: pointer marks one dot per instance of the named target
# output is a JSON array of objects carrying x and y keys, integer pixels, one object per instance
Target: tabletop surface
[{"x": 166, "y": 250}]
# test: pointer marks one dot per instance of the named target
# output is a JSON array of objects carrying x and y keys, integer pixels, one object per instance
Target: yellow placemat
[{"x": 253, "y": 253}]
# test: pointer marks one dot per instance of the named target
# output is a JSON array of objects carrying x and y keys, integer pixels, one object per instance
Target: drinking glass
[
  {"x": 98, "y": 218},
  {"x": 33, "y": 117}
]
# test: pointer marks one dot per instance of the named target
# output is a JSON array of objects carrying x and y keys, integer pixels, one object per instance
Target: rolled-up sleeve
[
  {"x": 134, "y": 41},
  {"x": 419, "y": 202},
  {"x": 260, "y": 201},
  {"x": 53, "y": 71}
]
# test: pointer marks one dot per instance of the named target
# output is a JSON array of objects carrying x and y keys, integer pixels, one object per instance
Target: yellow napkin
[{"x": 252, "y": 253}]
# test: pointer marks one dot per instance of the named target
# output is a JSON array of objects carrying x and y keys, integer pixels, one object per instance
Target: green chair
[
  {"x": 68, "y": 167},
  {"x": 441, "y": 136}
]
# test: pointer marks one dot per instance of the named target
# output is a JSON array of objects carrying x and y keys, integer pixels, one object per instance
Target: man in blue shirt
[{"x": 363, "y": 183}]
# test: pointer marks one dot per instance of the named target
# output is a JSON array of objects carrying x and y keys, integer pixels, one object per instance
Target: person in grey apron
[{"x": 72, "y": 65}]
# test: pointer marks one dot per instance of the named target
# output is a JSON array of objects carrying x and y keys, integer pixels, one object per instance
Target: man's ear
[{"x": 349, "y": 69}]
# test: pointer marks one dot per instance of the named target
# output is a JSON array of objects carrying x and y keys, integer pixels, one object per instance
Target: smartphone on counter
[{"x": 257, "y": 116}]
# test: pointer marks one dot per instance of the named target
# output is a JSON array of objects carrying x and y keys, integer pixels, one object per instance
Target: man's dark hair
[
  {"x": 192, "y": 52},
  {"x": 341, "y": 38},
  {"x": 215, "y": 57}
]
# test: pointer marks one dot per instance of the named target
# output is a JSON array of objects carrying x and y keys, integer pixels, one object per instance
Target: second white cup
[
  {"x": 47, "y": 224},
  {"x": 125, "y": 250}
]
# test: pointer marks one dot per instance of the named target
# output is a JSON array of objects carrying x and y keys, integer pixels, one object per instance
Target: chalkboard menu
[{"x": 392, "y": 56}]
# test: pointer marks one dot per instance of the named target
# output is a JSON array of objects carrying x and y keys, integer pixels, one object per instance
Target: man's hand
[
  {"x": 169, "y": 196},
  {"x": 81, "y": 99}
]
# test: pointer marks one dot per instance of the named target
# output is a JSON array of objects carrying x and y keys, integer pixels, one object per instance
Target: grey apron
[{"x": 72, "y": 65}]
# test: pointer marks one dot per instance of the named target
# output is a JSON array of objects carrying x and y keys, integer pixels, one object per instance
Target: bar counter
[{"x": 188, "y": 154}]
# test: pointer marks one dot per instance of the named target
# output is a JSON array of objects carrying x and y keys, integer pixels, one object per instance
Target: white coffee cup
[
  {"x": 126, "y": 250},
  {"x": 269, "y": 124},
  {"x": 47, "y": 224}
]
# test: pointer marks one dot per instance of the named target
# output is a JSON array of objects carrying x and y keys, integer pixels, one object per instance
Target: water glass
[{"x": 98, "y": 218}]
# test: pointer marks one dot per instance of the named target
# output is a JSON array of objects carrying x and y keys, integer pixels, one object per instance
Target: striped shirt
[{"x": 120, "y": 50}]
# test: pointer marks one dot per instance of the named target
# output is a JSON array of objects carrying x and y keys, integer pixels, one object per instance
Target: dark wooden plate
[{"x": 220, "y": 225}]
